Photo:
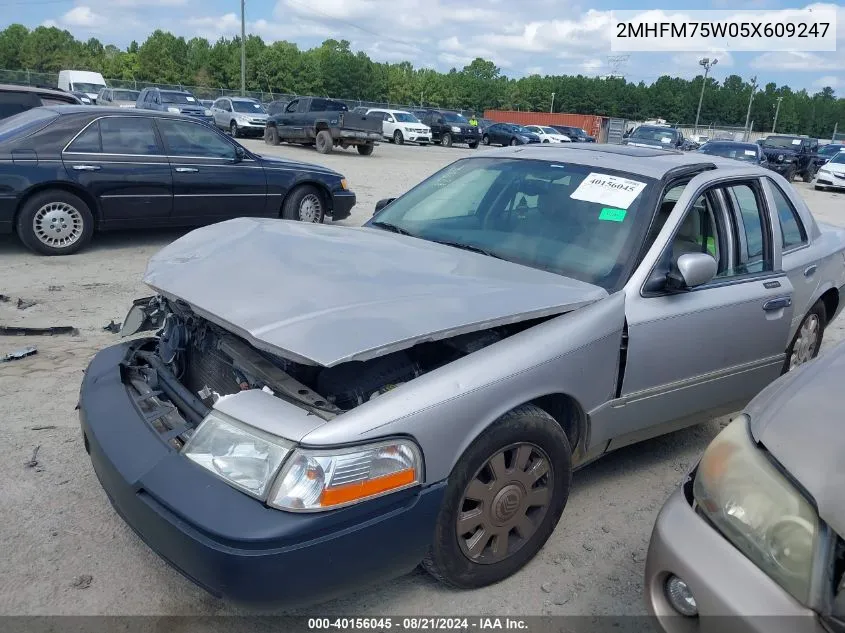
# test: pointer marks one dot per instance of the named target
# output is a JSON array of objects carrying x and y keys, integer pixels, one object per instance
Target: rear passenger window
[
  {"x": 752, "y": 256},
  {"x": 88, "y": 142},
  {"x": 790, "y": 224},
  {"x": 128, "y": 135}
]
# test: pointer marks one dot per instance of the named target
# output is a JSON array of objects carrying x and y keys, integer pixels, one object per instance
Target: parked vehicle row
[{"x": 525, "y": 302}]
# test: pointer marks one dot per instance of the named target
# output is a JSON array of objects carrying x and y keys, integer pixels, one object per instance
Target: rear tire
[
  {"x": 807, "y": 341},
  {"x": 398, "y": 138},
  {"x": 446, "y": 140},
  {"x": 55, "y": 222},
  {"x": 366, "y": 150},
  {"x": 324, "y": 142},
  {"x": 305, "y": 204},
  {"x": 808, "y": 175},
  {"x": 506, "y": 515}
]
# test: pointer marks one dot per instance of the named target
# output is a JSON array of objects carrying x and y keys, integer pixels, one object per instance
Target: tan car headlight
[
  {"x": 757, "y": 508},
  {"x": 314, "y": 480}
]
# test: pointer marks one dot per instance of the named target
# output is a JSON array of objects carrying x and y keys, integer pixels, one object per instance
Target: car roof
[
  {"x": 18, "y": 88},
  {"x": 65, "y": 110},
  {"x": 643, "y": 161},
  {"x": 250, "y": 99}
]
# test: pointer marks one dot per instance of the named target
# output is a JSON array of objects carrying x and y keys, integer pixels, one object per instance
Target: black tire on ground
[
  {"x": 271, "y": 136},
  {"x": 324, "y": 142},
  {"x": 525, "y": 425},
  {"x": 305, "y": 204},
  {"x": 799, "y": 346},
  {"x": 233, "y": 129},
  {"x": 55, "y": 222},
  {"x": 790, "y": 174},
  {"x": 398, "y": 138},
  {"x": 446, "y": 140},
  {"x": 473, "y": 145},
  {"x": 366, "y": 150},
  {"x": 808, "y": 175},
  {"x": 486, "y": 140}
]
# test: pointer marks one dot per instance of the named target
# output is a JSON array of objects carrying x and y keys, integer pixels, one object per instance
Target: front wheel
[
  {"x": 790, "y": 174},
  {"x": 366, "y": 150},
  {"x": 271, "y": 136},
  {"x": 55, "y": 222},
  {"x": 446, "y": 140},
  {"x": 486, "y": 140},
  {"x": 324, "y": 142},
  {"x": 398, "y": 138},
  {"x": 233, "y": 129},
  {"x": 808, "y": 339},
  {"x": 514, "y": 142},
  {"x": 304, "y": 204},
  {"x": 503, "y": 501},
  {"x": 808, "y": 175}
]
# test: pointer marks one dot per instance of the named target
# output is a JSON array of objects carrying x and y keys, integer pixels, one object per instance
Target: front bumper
[
  {"x": 342, "y": 203},
  {"x": 830, "y": 180},
  {"x": 731, "y": 592},
  {"x": 780, "y": 168},
  {"x": 230, "y": 544}
]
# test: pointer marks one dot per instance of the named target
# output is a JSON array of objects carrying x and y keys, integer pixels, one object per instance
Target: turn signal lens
[{"x": 343, "y": 184}]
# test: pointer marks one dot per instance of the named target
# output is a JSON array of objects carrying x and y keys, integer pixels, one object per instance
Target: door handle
[
  {"x": 184, "y": 170},
  {"x": 777, "y": 304},
  {"x": 86, "y": 167},
  {"x": 810, "y": 270}
]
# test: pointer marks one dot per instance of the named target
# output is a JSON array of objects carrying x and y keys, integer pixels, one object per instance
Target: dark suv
[
  {"x": 448, "y": 128},
  {"x": 791, "y": 155},
  {"x": 176, "y": 101}
]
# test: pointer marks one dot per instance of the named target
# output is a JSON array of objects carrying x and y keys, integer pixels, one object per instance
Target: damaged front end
[{"x": 177, "y": 376}]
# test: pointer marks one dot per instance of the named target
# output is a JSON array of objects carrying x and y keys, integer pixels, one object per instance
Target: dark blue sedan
[
  {"x": 508, "y": 134},
  {"x": 68, "y": 171}
]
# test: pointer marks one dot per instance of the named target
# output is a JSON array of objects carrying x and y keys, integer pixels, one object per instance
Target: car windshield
[
  {"x": 248, "y": 106},
  {"x": 782, "y": 141},
  {"x": 568, "y": 219},
  {"x": 838, "y": 159},
  {"x": 125, "y": 95},
  {"x": 731, "y": 150},
  {"x": 521, "y": 129},
  {"x": 177, "y": 97},
  {"x": 662, "y": 135},
  {"x": 454, "y": 118},
  {"x": 405, "y": 117},
  {"x": 549, "y": 130},
  {"x": 25, "y": 123},
  {"x": 87, "y": 88},
  {"x": 831, "y": 149}
]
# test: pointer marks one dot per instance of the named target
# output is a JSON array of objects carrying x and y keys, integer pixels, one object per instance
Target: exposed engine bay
[{"x": 194, "y": 362}]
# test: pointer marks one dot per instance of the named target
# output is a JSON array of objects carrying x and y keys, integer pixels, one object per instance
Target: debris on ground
[
  {"x": 33, "y": 462},
  {"x": 18, "y": 354},
  {"x": 23, "y": 304},
  {"x": 546, "y": 587},
  {"x": 5, "y": 298},
  {"x": 54, "y": 288},
  {"x": 46, "y": 427},
  {"x": 9, "y": 330},
  {"x": 112, "y": 327},
  {"x": 587, "y": 547},
  {"x": 83, "y": 582}
]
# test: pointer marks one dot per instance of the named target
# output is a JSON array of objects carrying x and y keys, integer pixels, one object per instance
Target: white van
[{"x": 84, "y": 81}]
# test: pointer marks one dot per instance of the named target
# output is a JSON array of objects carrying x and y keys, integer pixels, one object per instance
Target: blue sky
[{"x": 522, "y": 37}]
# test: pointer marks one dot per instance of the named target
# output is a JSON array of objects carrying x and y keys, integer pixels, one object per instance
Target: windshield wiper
[
  {"x": 468, "y": 247},
  {"x": 391, "y": 227}
]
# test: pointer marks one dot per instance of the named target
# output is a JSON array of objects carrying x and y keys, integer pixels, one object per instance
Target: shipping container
[{"x": 594, "y": 125}]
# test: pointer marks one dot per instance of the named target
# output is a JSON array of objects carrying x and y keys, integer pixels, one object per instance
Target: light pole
[
  {"x": 708, "y": 64},
  {"x": 777, "y": 111},
  {"x": 552, "y": 109},
  {"x": 750, "y": 101},
  {"x": 243, "y": 48}
]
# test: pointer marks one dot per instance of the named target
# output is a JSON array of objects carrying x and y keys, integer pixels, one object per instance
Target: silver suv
[{"x": 239, "y": 115}]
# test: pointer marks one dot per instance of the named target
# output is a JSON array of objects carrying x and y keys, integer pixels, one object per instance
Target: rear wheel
[
  {"x": 55, "y": 222},
  {"x": 446, "y": 140},
  {"x": 808, "y": 339},
  {"x": 503, "y": 501},
  {"x": 304, "y": 204},
  {"x": 366, "y": 150},
  {"x": 398, "y": 138},
  {"x": 324, "y": 142},
  {"x": 808, "y": 175},
  {"x": 473, "y": 145}
]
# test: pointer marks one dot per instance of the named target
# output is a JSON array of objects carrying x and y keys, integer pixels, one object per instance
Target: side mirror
[
  {"x": 381, "y": 204},
  {"x": 240, "y": 154},
  {"x": 693, "y": 270}
]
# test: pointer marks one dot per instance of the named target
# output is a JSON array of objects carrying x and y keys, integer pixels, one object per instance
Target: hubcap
[
  {"x": 504, "y": 503},
  {"x": 309, "y": 208},
  {"x": 806, "y": 343},
  {"x": 57, "y": 224}
]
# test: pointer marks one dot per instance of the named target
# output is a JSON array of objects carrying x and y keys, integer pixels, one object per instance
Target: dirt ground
[{"x": 65, "y": 551}]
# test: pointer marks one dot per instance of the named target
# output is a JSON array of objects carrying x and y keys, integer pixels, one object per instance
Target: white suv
[{"x": 400, "y": 126}]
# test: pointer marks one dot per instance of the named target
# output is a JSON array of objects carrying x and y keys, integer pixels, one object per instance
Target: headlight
[
  {"x": 314, "y": 480},
  {"x": 208, "y": 112},
  {"x": 174, "y": 110},
  {"x": 757, "y": 509},
  {"x": 242, "y": 456},
  {"x": 456, "y": 129}
]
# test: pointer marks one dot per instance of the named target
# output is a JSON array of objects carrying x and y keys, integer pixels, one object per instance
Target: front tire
[
  {"x": 790, "y": 174},
  {"x": 271, "y": 136},
  {"x": 324, "y": 142},
  {"x": 305, "y": 204},
  {"x": 807, "y": 341},
  {"x": 504, "y": 498},
  {"x": 398, "y": 138},
  {"x": 486, "y": 140},
  {"x": 446, "y": 140},
  {"x": 233, "y": 130},
  {"x": 55, "y": 222},
  {"x": 514, "y": 142},
  {"x": 808, "y": 175}
]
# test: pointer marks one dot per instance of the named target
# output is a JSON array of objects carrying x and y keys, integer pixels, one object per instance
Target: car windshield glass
[
  {"x": 549, "y": 130},
  {"x": 662, "y": 135},
  {"x": 24, "y": 123},
  {"x": 738, "y": 152},
  {"x": 247, "y": 106},
  {"x": 405, "y": 117},
  {"x": 838, "y": 159},
  {"x": 782, "y": 141},
  {"x": 521, "y": 129},
  {"x": 177, "y": 97},
  {"x": 125, "y": 95},
  {"x": 87, "y": 88},
  {"x": 568, "y": 219},
  {"x": 831, "y": 150},
  {"x": 454, "y": 118}
]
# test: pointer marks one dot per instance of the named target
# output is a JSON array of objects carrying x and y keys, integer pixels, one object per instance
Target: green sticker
[{"x": 612, "y": 215}]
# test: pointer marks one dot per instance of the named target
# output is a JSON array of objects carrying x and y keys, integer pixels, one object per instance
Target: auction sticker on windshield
[
  {"x": 750, "y": 152},
  {"x": 605, "y": 189}
]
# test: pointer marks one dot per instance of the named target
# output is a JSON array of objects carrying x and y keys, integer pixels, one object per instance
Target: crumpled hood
[
  {"x": 323, "y": 294},
  {"x": 798, "y": 418}
]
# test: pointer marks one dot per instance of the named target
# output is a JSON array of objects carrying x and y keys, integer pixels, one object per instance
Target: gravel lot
[{"x": 65, "y": 551}]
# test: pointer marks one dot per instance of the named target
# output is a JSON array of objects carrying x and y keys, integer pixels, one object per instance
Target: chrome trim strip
[
  {"x": 216, "y": 195},
  {"x": 137, "y": 195}
]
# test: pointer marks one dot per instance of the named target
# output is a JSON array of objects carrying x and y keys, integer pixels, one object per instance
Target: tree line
[{"x": 333, "y": 69}]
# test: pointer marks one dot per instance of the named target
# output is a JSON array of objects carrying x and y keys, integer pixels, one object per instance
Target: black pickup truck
[{"x": 324, "y": 123}]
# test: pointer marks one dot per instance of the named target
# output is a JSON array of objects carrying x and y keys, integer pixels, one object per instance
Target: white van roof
[{"x": 85, "y": 76}]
